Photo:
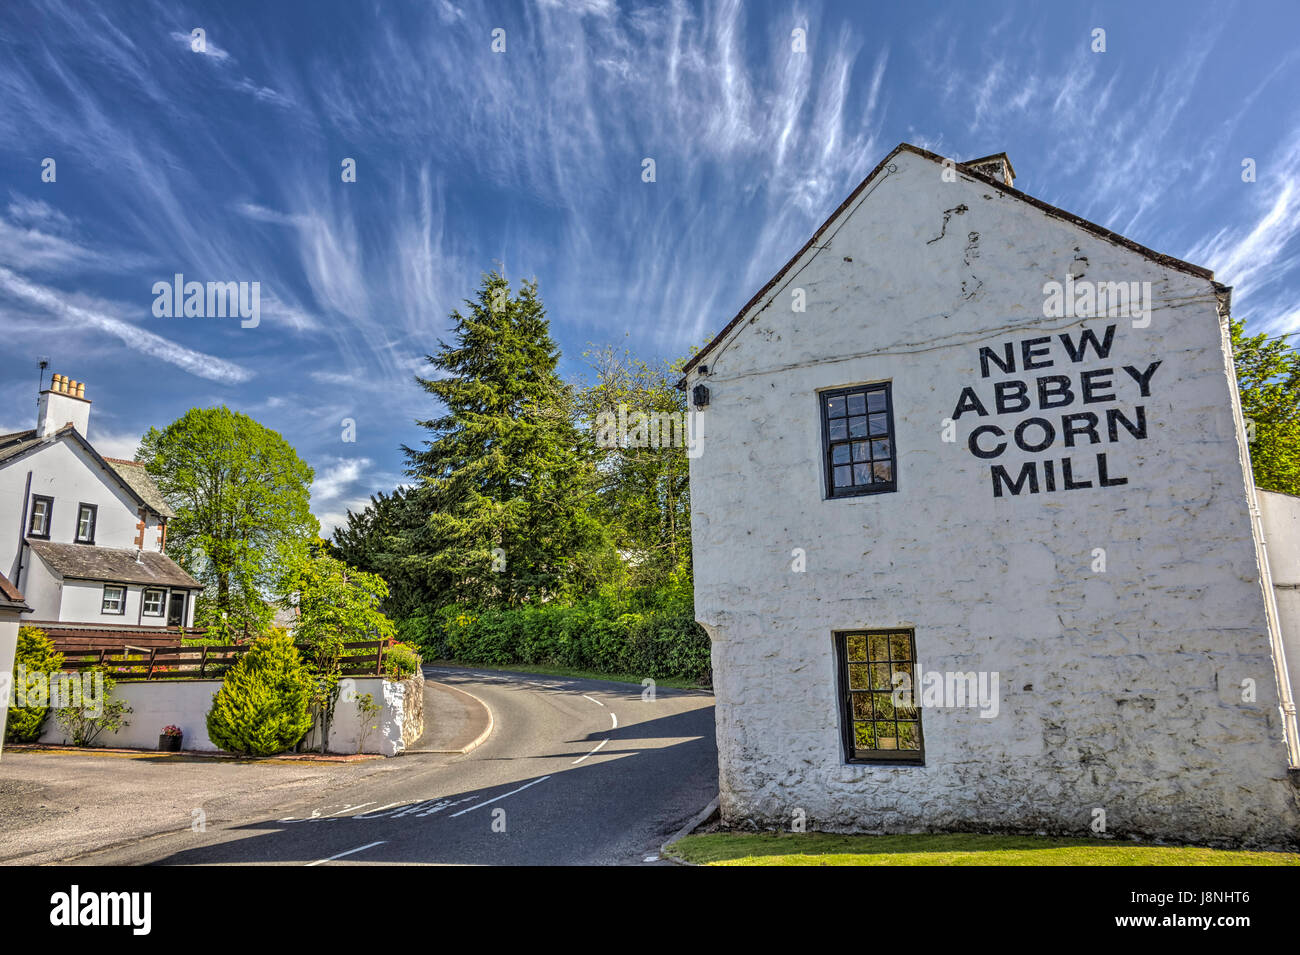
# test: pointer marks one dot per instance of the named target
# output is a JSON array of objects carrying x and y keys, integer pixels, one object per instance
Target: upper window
[
  {"x": 858, "y": 440},
  {"x": 114, "y": 599},
  {"x": 86, "y": 523},
  {"x": 878, "y": 695},
  {"x": 42, "y": 512}
]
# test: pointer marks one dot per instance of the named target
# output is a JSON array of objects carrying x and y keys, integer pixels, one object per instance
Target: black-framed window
[
  {"x": 858, "y": 440},
  {"x": 42, "y": 516},
  {"x": 114, "y": 599},
  {"x": 86, "y": 516},
  {"x": 154, "y": 601},
  {"x": 878, "y": 696}
]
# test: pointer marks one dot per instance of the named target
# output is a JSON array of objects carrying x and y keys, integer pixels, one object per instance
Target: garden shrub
[
  {"x": 400, "y": 661},
  {"x": 82, "y": 722},
  {"x": 660, "y": 639},
  {"x": 263, "y": 706},
  {"x": 39, "y": 660}
]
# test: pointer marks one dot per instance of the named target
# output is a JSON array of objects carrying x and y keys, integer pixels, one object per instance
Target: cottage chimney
[
  {"x": 997, "y": 166},
  {"x": 63, "y": 403}
]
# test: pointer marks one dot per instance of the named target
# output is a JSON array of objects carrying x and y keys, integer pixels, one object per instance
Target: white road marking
[
  {"x": 592, "y": 753},
  {"x": 615, "y": 719},
  {"x": 502, "y": 796},
  {"x": 372, "y": 814},
  {"x": 368, "y": 845},
  {"x": 350, "y": 808},
  {"x": 593, "y": 699}
]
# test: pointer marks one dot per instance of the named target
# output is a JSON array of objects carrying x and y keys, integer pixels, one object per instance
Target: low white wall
[
  {"x": 156, "y": 704},
  {"x": 1280, "y": 515}
]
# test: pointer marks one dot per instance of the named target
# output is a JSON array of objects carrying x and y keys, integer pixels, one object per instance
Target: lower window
[
  {"x": 153, "y": 603},
  {"x": 114, "y": 599},
  {"x": 878, "y": 692}
]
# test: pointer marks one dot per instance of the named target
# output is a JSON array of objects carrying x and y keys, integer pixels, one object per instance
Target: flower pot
[{"x": 169, "y": 744}]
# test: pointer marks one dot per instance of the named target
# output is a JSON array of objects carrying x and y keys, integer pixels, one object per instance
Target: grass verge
[
  {"x": 675, "y": 683},
  {"x": 823, "y": 848}
]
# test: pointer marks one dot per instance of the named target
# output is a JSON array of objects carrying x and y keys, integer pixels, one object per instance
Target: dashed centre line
[{"x": 368, "y": 845}]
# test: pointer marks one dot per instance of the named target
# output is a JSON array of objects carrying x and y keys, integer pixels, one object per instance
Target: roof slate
[{"x": 86, "y": 562}]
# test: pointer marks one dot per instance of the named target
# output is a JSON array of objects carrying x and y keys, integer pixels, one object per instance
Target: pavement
[{"x": 568, "y": 772}]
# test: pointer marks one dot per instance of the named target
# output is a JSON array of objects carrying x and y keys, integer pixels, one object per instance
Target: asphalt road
[{"x": 576, "y": 772}]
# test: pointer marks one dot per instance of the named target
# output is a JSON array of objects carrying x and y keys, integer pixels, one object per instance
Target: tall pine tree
[{"x": 497, "y": 512}]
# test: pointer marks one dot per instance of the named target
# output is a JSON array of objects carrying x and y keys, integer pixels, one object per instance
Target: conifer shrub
[
  {"x": 263, "y": 706},
  {"x": 39, "y": 661}
]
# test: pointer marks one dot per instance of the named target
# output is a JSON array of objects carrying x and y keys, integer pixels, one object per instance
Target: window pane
[
  {"x": 843, "y": 476},
  {"x": 908, "y": 736},
  {"x": 862, "y": 474},
  {"x": 856, "y": 644},
  {"x": 885, "y": 742},
  {"x": 879, "y": 449},
  {"x": 835, "y": 407},
  {"x": 884, "y": 471},
  {"x": 880, "y": 676},
  {"x": 862, "y": 706},
  {"x": 858, "y": 676},
  {"x": 864, "y": 735},
  {"x": 879, "y": 646},
  {"x": 858, "y": 427},
  {"x": 857, "y": 404},
  {"x": 840, "y": 454},
  {"x": 876, "y": 401},
  {"x": 884, "y": 705},
  {"x": 861, "y": 451},
  {"x": 900, "y": 647},
  {"x": 839, "y": 429},
  {"x": 879, "y": 424}
]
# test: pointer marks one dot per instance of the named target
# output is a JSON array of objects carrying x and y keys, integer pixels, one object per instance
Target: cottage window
[
  {"x": 153, "y": 603},
  {"x": 878, "y": 696},
  {"x": 86, "y": 515},
  {"x": 42, "y": 511},
  {"x": 114, "y": 599},
  {"x": 858, "y": 440}
]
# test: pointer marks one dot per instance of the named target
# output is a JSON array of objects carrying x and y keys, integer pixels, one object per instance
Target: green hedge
[{"x": 658, "y": 643}]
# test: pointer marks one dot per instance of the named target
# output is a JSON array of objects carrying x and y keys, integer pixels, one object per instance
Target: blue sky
[{"x": 225, "y": 164}]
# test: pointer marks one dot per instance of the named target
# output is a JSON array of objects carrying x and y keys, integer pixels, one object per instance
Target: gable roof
[
  {"x": 87, "y": 562},
  {"x": 132, "y": 477},
  {"x": 142, "y": 482},
  {"x": 1051, "y": 210}
]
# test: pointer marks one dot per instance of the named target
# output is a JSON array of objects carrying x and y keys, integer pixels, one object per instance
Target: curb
[
  {"x": 699, "y": 819},
  {"x": 482, "y": 737}
]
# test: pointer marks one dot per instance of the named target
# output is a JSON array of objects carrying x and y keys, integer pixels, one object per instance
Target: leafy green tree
[
  {"x": 263, "y": 706},
  {"x": 336, "y": 604},
  {"x": 241, "y": 496},
  {"x": 39, "y": 660},
  {"x": 644, "y": 471},
  {"x": 1268, "y": 377},
  {"x": 367, "y": 539},
  {"x": 498, "y": 507}
]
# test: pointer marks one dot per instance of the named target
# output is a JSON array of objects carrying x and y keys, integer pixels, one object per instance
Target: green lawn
[
  {"x": 821, "y": 848},
  {"x": 675, "y": 683}
]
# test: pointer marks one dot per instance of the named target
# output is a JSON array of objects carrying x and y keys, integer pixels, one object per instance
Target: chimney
[
  {"x": 997, "y": 166},
  {"x": 63, "y": 403}
]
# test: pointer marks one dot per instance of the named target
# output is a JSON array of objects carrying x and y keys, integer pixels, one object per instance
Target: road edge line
[
  {"x": 482, "y": 737},
  {"x": 699, "y": 819}
]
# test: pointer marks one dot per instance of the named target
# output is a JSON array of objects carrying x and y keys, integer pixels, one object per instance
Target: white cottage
[
  {"x": 976, "y": 538},
  {"x": 82, "y": 536}
]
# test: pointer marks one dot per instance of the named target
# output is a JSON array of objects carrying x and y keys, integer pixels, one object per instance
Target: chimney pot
[{"x": 81, "y": 389}]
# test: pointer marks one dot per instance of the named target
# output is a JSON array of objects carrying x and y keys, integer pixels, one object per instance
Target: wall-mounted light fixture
[{"x": 700, "y": 394}]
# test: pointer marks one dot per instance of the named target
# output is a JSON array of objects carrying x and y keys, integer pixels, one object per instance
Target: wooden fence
[{"x": 137, "y": 664}]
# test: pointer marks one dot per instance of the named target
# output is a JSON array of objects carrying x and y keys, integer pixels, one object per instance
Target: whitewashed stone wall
[
  {"x": 185, "y": 703},
  {"x": 1120, "y": 689}
]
